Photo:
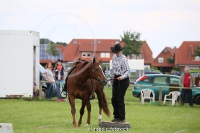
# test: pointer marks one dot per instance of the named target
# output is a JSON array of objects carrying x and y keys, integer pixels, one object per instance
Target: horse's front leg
[
  {"x": 89, "y": 111},
  {"x": 81, "y": 113},
  {"x": 73, "y": 110},
  {"x": 100, "y": 106},
  {"x": 100, "y": 116}
]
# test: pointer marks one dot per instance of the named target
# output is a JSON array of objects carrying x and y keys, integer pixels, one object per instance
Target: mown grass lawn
[{"x": 34, "y": 116}]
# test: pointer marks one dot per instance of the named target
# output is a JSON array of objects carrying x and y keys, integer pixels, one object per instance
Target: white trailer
[
  {"x": 19, "y": 56},
  {"x": 135, "y": 65}
]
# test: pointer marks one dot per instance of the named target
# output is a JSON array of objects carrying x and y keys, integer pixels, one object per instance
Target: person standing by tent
[
  {"x": 121, "y": 71},
  {"x": 49, "y": 75}
]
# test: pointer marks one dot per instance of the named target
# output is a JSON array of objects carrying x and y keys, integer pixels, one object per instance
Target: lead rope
[{"x": 92, "y": 92}]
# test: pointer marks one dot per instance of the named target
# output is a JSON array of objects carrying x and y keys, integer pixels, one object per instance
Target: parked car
[
  {"x": 151, "y": 71},
  {"x": 153, "y": 81},
  {"x": 178, "y": 73}
]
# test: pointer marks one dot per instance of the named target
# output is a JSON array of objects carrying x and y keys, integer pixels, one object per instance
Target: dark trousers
[
  {"x": 189, "y": 94},
  {"x": 118, "y": 93}
]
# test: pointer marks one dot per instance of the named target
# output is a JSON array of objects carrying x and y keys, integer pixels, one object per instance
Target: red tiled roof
[
  {"x": 146, "y": 53},
  {"x": 47, "y": 61},
  {"x": 170, "y": 50},
  {"x": 184, "y": 53},
  {"x": 165, "y": 56},
  {"x": 74, "y": 51}
]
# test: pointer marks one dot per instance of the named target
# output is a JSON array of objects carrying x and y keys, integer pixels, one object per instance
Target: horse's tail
[{"x": 104, "y": 105}]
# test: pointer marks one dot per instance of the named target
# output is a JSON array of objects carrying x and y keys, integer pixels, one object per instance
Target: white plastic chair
[
  {"x": 175, "y": 95},
  {"x": 146, "y": 94}
]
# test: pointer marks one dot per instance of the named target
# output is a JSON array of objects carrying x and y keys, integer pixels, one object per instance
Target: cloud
[{"x": 12, "y": 19}]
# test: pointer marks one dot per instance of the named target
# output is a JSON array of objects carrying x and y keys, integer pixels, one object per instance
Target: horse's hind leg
[
  {"x": 73, "y": 110},
  {"x": 81, "y": 113},
  {"x": 89, "y": 111}
]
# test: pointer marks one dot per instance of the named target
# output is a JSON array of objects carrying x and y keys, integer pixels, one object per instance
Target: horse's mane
[{"x": 81, "y": 64}]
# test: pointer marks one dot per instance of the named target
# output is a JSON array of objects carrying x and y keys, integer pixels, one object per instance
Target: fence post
[
  {"x": 160, "y": 96},
  {"x": 40, "y": 90},
  {"x": 140, "y": 92}
]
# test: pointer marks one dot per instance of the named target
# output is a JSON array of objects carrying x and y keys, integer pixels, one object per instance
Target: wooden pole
[
  {"x": 160, "y": 96},
  {"x": 40, "y": 90}
]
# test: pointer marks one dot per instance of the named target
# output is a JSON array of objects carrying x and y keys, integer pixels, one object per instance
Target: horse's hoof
[{"x": 86, "y": 125}]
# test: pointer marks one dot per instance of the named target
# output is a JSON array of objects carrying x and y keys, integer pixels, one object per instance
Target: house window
[
  {"x": 91, "y": 42},
  {"x": 86, "y": 54},
  {"x": 105, "y": 55},
  {"x": 98, "y": 41},
  {"x": 74, "y": 42},
  {"x": 133, "y": 56},
  {"x": 160, "y": 60},
  {"x": 116, "y": 42},
  {"x": 139, "y": 56},
  {"x": 197, "y": 58},
  {"x": 165, "y": 50}
]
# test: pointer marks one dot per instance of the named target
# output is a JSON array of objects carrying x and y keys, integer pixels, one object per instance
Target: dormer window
[
  {"x": 165, "y": 50},
  {"x": 74, "y": 42},
  {"x": 86, "y": 54},
  {"x": 91, "y": 42}
]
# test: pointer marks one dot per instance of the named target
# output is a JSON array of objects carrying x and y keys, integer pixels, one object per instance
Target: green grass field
[{"x": 34, "y": 116}]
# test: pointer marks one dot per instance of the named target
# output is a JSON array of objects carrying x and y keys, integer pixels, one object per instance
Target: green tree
[
  {"x": 45, "y": 41},
  {"x": 176, "y": 69},
  {"x": 197, "y": 51},
  {"x": 63, "y": 43},
  {"x": 132, "y": 43},
  {"x": 52, "y": 49},
  {"x": 170, "y": 60}
]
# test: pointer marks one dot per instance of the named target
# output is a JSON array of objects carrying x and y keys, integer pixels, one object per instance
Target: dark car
[
  {"x": 176, "y": 73},
  {"x": 153, "y": 81}
]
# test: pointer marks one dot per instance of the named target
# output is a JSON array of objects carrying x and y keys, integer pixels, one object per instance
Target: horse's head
[{"x": 97, "y": 72}]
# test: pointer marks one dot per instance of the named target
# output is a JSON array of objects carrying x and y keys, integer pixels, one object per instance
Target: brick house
[
  {"x": 184, "y": 55},
  {"x": 87, "y": 48},
  {"x": 161, "y": 61}
]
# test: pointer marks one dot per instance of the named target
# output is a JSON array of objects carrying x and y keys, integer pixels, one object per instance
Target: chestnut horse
[{"x": 84, "y": 80}]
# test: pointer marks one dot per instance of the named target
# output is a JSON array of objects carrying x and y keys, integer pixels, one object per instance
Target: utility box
[
  {"x": 6, "y": 128},
  {"x": 19, "y": 57}
]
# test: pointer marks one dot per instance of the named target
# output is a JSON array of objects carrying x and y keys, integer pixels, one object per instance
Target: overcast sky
[{"x": 161, "y": 22}]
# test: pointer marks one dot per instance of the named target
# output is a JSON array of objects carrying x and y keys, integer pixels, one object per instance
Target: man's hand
[{"x": 119, "y": 78}]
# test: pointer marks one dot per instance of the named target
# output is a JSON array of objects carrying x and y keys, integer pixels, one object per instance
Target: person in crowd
[
  {"x": 187, "y": 81},
  {"x": 50, "y": 78},
  {"x": 121, "y": 71},
  {"x": 59, "y": 76}
]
